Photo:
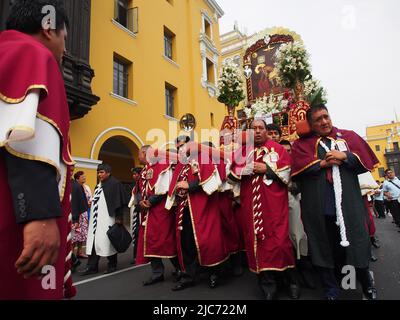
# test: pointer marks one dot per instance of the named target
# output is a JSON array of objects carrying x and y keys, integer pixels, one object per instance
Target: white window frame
[{"x": 205, "y": 17}]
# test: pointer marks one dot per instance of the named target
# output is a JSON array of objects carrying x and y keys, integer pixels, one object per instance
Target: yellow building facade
[
  {"x": 154, "y": 62},
  {"x": 385, "y": 140}
]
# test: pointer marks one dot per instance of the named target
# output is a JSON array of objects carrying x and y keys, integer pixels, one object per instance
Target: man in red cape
[
  {"x": 199, "y": 236},
  {"x": 229, "y": 208},
  {"x": 263, "y": 172},
  {"x": 332, "y": 248},
  {"x": 35, "y": 161},
  {"x": 157, "y": 228}
]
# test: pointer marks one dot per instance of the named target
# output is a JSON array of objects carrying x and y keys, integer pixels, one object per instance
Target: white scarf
[{"x": 337, "y": 187}]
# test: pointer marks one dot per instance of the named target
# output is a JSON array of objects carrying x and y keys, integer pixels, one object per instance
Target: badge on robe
[
  {"x": 149, "y": 174},
  {"x": 341, "y": 146},
  {"x": 273, "y": 156},
  {"x": 195, "y": 167}
]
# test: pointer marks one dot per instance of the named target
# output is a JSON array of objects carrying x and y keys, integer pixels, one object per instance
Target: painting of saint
[{"x": 264, "y": 78}]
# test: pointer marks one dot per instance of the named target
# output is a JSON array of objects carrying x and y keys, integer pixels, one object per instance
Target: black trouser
[
  {"x": 93, "y": 261},
  {"x": 394, "y": 208},
  {"x": 157, "y": 266},
  {"x": 267, "y": 282},
  {"x": 189, "y": 250},
  {"x": 188, "y": 245},
  {"x": 380, "y": 209},
  {"x": 135, "y": 245},
  {"x": 330, "y": 276}
]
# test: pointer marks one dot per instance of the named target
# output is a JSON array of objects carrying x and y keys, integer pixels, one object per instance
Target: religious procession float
[{"x": 275, "y": 81}]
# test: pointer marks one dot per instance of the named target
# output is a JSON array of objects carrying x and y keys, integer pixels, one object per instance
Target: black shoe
[
  {"x": 331, "y": 298},
  {"x": 177, "y": 275},
  {"x": 373, "y": 258},
  {"x": 153, "y": 281},
  {"x": 307, "y": 279},
  {"x": 238, "y": 271},
  {"x": 110, "y": 270},
  {"x": 375, "y": 243},
  {"x": 75, "y": 266},
  {"x": 181, "y": 285},
  {"x": 88, "y": 272},
  {"x": 294, "y": 291},
  {"x": 213, "y": 281},
  {"x": 269, "y": 296},
  {"x": 371, "y": 294}
]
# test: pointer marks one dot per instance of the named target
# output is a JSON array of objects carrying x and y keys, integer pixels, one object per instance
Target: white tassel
[{"x": 337, "y": 186}]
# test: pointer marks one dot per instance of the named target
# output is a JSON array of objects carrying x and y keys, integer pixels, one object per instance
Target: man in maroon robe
[
  {"x": 263, "y": 178},
  {"x": 337, "y": 236},
  {"x": 199, "y": 236},
  {"x": 35, "y": 161},
  {"x": 229, "y": 208},
  {"x": 157, "y": 228}
]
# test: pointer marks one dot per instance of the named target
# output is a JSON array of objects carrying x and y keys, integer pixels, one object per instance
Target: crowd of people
[
  {"x": 295, "y": 210},
  {"x": 291, "y": 208}
]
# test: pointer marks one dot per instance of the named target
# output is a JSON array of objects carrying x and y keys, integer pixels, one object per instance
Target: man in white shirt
[{"x": 391, "y": 190}]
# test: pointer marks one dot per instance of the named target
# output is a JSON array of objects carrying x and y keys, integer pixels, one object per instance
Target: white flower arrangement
[
  {"x": 266, "y": 105},
  {"x": 314, "y": 92},
  {"x": 292, "y": 64},
  {"x": 230, "y": 84}
]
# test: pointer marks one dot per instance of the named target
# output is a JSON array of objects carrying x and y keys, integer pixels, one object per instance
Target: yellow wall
[
  {"x": 378, "y": 136},
  {"x": 150, "y": 70}
]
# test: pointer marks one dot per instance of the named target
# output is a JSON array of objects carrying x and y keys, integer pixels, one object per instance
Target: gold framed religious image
[{"x": 259, "y": 67}]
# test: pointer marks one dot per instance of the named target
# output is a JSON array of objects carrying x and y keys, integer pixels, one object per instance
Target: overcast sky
[{"x": 354, "y": 47}]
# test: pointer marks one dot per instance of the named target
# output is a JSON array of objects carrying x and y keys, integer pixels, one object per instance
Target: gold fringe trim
[
  {"x": 271, "y": 269},
  {"x": 197, "y": 243},
  {"x": 194, "y": 229},
  {"x": 162, "y": 172},
  {"x": 306, "y": 167},
  {"x": 283, "y": 169},
  {"x": 41, "y": 159},
  {"x": 209, "y": 178},
  {"x": 232, "y": 173},
  {"x": 316, "y": 147},
  {"x": 48, "y": 120},
  {"x": 161, "y": 257},
  {"x": 359, "y": 159},
  {"x": 29, "y": 130},
  {"x": 18, "y": 100}
]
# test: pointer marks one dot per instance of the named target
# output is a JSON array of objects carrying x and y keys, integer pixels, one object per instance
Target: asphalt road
[{"x": 126, "y": 283}]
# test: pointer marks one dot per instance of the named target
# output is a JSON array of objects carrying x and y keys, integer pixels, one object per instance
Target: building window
[
  {"x": 169, "y": 44},
  {"x": 207, "y": 28},
  {"x": 381, "y": 172},
  {"x": 170, "y": 100},
  {"x": 210, "y": 72},
  {"x": 121, "y": 14},
  {"x": 377, "y": 148},
  {"x": 207, "y": 25},
  {"x": 126, "y": 16},
  {"x": 121, "y": 76},
  {"x": 212, "y": 119}
]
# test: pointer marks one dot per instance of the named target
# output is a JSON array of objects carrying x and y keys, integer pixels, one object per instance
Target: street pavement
[{"x": 126, "y": 283}]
